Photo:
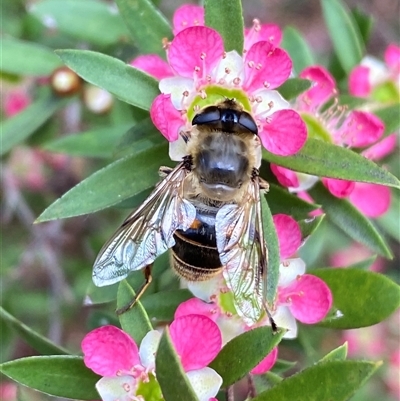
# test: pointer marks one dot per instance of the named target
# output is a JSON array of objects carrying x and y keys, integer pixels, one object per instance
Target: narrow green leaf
[
  {"x": 364, "y": 23},
  {"x": 19, "y": 127},
  {"x": 338, "y": 354},
  {"x": 344, "y": 33},
  {"x": 281, "y": 366},
  {"x": 60, "y": 376},
  {"x": 391, "y": 117},
  {"x": 308, "y": 226},
  {"x": 362, "y": 298},
  {"x": 124, "y": 81},
  {"x": 297, "y": 48},
  {"x": 146, "y": 24},
  {"x": 271, "y": 238},
  {"x": 327, "y": 160},
  {"x": 390, "y": 221},
  {"x": 135, "y": 321},
  {"x": 340, "y": 380},
  {"x": 226, "y": 17},
  {"x": 103, "y": 28},
  {"x": 344, "y": 215},
  {"x": 33, "y": 338},
  {"x": 245, "y": 352},
  {"x": 110, "y": 185},
  {"x": 293, "y": 87},
  {"x": 363, "y": 264},
  {"x": 170, "y": 374},
  {"x": 26, "y": 58}
]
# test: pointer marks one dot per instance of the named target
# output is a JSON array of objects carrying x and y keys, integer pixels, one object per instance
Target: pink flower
[
  {"x": 129, "y": 372},
  {"x": 15, "y": 101}
]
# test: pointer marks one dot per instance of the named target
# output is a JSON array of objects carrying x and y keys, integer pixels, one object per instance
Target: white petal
[
  {"x": 269, "y": 101},
  {"x": 378, "y": 72},
  {"x": 206, "y": 382},
  {"x": 176, "y": 87},
  {"x": 118, "y": 388},
  {"x": 306, "y": 181},
  {"x": 284, "y": 318},
  {"x": 177, "y": 149},
  {"x": 229, "y": 69},
  {"x": 230, "y": 327},
  {"x": 205, "y": 290},
  {"x": 148, "y": 348},
  {"x": 289, "y": 270}
]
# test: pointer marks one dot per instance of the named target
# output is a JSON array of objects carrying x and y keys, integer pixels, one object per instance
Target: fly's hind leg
[{"x": 142, "y": 289}]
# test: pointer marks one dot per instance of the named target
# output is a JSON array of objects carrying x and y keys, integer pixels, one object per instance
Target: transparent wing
[
  {"x": 147, "y": 232},
  {"x": 243, "y": 253}
]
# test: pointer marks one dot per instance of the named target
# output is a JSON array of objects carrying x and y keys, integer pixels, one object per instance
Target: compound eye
[
  {"x": 208, "y": 115},
  {"x": 247, "y": 121}
]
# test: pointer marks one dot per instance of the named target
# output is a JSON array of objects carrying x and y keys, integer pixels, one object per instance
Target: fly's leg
[{"x": 148, "y": 278}]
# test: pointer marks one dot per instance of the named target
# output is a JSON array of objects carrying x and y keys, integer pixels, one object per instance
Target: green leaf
[
  {"x": 344, "y": 215},
  {"x": 146, "y": 24},
  {"x": 245, "y": 352},
  {"x": 363, "y": 264},
  {"x": 325, "y": 381},
  {"x": 34, "y": 339},
  {"x": 281, "y": 366},
  {"x": 124, "y": 81},
  {"x": 110, "y": 185},
  {"x": 298, "y": 49},
  {"x": 19, "y": 127},
  {"x": 170, "y": 374},
  {"x": 308, "y": 226},
  {"x": 271, "y": 238},
  {"x": 362, "y": 298},
  {"x": 389, "y": 222},
  {"x": 391, "y": 117},
  {"x": 27, "y": 59},
  {"x": 135, "y": 321},
  {"x": 338, "y": 354},
  {"x": 280, "y": 200},
  {"x": 103, "y": 28},
  {"x": 344, "y": 33},
  {"x": 226, "y": 17},
  {"x": 327, "y": 160},
  {"x": 293, "y": 87},
  {"x": 60, "y": 376},
  {"x": 364, "y": 22}
]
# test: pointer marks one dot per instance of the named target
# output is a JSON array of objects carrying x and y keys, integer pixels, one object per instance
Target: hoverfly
[{"x": 206, "y": 210}]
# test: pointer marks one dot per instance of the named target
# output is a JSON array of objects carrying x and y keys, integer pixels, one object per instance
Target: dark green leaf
[
  {"x": 19, "y": 127},
  {"x": 34, "y": 339},
  {"x": 391, "y": 117},
  {"x": 146, "y": 24},
  {"x": 124, "y": 81},
  {"x": 338, "y": 354},
  {"x": 135, "y": 321},
  {"x": 344, "y": 33},
  {"x": 293, "y": 87},
  {"x": 60, "y": 376},
  {"x": 298, "y": 49},
  {"x": 362, "y": 298},
  {"x": 103, "y": 28},
  {"x": 327, "y": 160},
  {"x": 28, "y": 59},
  {"x": 364, "y": 22},
  {"x": 226, "y": 17},
  {"x": 271, "y": 238},
  {"x": 281, "y": 366},
  {"x": 344, "y": 215},
  {"x": 245, "y": 352},
  {"x": 309, "y": 225},
  {"x": 325, "y": 381},
  {"x": 170, "y": 374},
  {"x": 110, "y": 185}
]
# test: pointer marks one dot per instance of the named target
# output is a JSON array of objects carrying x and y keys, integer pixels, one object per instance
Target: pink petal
[
  {"x": 323, "y": 88},
  {"x": 266, "y": 364},
  {"x": 108, "y": 349},
  {"x": 381, "y": 149},
  {"x": 153, "y": 64},
  {"x": 289, "y": 235},
  {"x": 15, "y": 101},
  {"x": 371, "y": 199},
  {"x": 166, "y": 118},
  {"x": 195, "y": 51},
  {"x": 359, "y": 129},
  {"x": 266, "y": 66},
  {"x": 286, "y": 177},
  {"x": 186, "y": 16},
  {"x": 261, "y": 33},
  {"x": 197, "y": 340},
  {"x": 339, "y": 188},
  {"x": 359, "y": 84},
  {"x": 195, "y": 306},
  {"x": 392, "y": 57},
  {"x": 284, "y": 133},
  {"x": 308, "y": 297}
]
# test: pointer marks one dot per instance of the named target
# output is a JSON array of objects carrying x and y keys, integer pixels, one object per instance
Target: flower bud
[{"x": 65, "y": 82}]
